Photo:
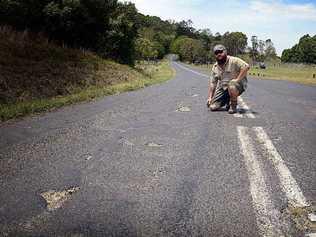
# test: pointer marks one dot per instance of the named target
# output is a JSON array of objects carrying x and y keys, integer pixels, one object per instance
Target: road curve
[{"x": 156, "y": 162}]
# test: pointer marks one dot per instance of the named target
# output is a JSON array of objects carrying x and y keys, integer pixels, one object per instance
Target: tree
[
  {"x": 145, "y": 49},
  {"x": 189, "y": 49},
  {"x": 185, "y": 28},
  {"x": 206, "y": 37},
  {"x": 303, "y": 52},
  {"x": 307, "y": 47},
  {"x": 107, "y": 27},
  {"x": 261, "y": 47},
  {"x": 158, "y": 31},
  {"x": 175, "y": 45},
  {"x": 235, "y": 42},
  {"x": 286, "y": 55},
  {"x": 269, "y": 49},
  {"x": 120, "y": 42},
  {"x": 23, "y": 14},
  {"x": 254, "y": 49}
]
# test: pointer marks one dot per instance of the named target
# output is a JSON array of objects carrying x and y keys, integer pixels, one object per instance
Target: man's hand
[
  {"x": 234, "y": 82},
  {"x": 208, "y": 103}
]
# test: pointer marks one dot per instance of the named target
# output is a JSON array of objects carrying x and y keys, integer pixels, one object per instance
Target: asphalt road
[{"x": 134, "y": 164}]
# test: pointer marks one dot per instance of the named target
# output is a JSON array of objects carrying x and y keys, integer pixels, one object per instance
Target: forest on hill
[{"x": 116, "y": 30}]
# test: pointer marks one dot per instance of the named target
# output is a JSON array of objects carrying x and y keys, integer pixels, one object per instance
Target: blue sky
[{"x": 282, "y": 21}]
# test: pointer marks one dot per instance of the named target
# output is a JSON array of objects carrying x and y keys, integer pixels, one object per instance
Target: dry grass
[{"x": 300, "y": 217}]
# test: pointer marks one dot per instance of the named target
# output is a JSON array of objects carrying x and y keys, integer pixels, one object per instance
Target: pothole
[
  {"x": 56, "y": 199},
  {"x": 153, "y": 144},
  {"x": 159, "y": 171},
  {"x": 276, "y": 138},
  {"x": 123, "y": 141},
  {"x": 303, "y": 217},
  {"x": 88, "y": 158},
  {"x": 184, "y": 109}
]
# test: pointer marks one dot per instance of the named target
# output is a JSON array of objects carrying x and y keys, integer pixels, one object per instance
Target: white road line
[
  {"x": 266, "y": 215},
  {"x": 248, "y": 113},
  {"x": 185, "y": 68},
  {"x": 311, "y": 235},
  {"x": 238, "y": 115},
  {"x": 288, "y": 183},
  {"x": 244, "y": 106}
]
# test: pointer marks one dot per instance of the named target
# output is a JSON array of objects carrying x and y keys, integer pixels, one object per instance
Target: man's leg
[
  {"x": 234, "y": 89},
  {"x": 220, "y": 98}
]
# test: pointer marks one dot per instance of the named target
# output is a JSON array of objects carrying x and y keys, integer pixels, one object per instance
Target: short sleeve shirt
[{"x": 232, "y": 67}]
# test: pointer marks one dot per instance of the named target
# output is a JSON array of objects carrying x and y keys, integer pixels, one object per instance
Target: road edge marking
[
  {"x": 266, "y": 215},
  {"x": 288, "y": 184},
  {"x": 198, "y": 73}
]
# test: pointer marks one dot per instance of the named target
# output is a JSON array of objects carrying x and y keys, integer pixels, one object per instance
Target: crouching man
[{"x": 228, "y": 80}]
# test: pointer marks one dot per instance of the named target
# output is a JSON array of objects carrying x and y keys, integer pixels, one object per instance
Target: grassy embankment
[
  {"x": 298, "y": 73},
  {"x": 37, "y": 75}
]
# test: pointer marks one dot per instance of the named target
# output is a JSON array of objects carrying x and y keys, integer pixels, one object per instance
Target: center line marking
[
  {"x": 248, "y": 113},
  {"x": 288, "y": 183},
  {"x": 266, "y": 215}
]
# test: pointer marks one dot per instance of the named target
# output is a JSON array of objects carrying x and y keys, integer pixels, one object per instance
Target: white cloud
[{"x": 289, "y": 11}]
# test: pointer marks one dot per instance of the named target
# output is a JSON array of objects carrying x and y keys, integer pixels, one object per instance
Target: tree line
[
  {"x": 118, "y": 31},
  {"x": 303, "y": 52},
  {"x": 115, "y": 29}
]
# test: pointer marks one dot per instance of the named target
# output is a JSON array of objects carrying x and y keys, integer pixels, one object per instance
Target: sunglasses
[{"x": 218, "y": 52}]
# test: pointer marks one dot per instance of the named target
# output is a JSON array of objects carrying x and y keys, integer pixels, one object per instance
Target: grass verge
[
  {"x": 295, "y": 73},
  {"x": 302, "y": 75},
  {"x": 149, "y": 75}
]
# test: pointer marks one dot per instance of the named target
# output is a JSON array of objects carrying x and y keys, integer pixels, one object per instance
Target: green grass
[
  {"x": 295, "y": 73},
  {"x": 302, "y": 74},
  {"x": 146, "y": 75}
]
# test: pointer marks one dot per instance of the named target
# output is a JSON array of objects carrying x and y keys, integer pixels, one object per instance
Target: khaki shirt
[{"x": 231, "y": 71}]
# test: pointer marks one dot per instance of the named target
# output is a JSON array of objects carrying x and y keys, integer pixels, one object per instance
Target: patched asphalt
[{"x": 153, "y": 162}]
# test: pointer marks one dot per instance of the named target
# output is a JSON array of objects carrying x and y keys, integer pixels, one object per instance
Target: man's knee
[
  {"x": 233, "y": 85},
  {"x": 235, "y": 88},
  {"x": 233, "y": 91},
  {"x": 232, "y": 88}
]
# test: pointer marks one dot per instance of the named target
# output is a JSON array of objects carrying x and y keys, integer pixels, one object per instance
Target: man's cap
[{"x": 219, "y": 47}]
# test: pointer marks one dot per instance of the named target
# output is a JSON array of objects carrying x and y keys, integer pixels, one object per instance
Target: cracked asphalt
[{"x": 143, "y": 167}]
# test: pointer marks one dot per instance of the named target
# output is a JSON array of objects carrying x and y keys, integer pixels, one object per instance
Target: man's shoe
[
  {"x": 233, "y": 107},
  {"x": 227, "y": 107},
  {"x": 232, "y": 110}
]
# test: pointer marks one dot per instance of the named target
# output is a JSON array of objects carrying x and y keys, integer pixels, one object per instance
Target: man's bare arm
[
  {"x": 211, "y": 89},
  {"x": 242, "y": 73}
]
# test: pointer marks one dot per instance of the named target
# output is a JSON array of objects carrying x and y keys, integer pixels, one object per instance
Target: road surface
[{"x": 156, "y": 162}]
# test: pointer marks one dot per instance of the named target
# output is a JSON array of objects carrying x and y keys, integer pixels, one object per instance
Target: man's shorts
[
  {"x": 238, "y": 85},
  {"x": 221, "y": 96}
]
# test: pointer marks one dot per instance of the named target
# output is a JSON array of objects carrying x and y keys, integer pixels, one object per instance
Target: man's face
[{"x": 221, "y": 56}]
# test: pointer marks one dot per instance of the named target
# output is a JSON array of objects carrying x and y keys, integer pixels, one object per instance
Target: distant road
[{"x": 156, "y": 162}]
